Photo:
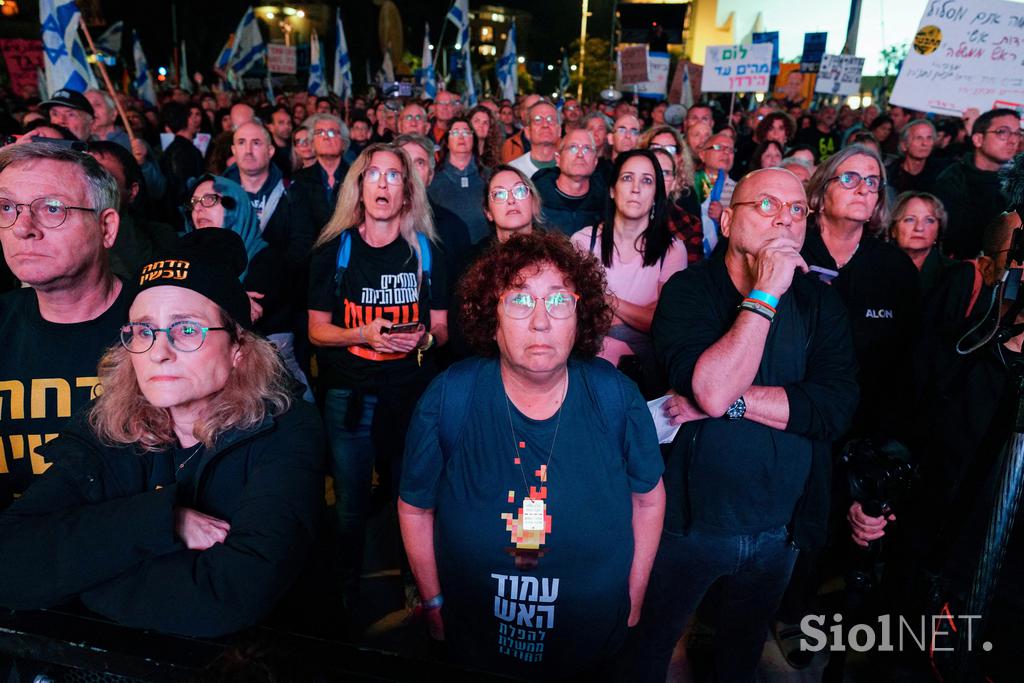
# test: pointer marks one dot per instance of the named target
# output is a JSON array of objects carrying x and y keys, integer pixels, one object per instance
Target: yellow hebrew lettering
[
  {"x": 3, "y": 458},
  {"x": 39, "y": 389},
  {"x": 17, "y": 446},
  {"x": 39, "y": 465},
  {"x": 90, "y": 383},
  {"x": 17, "y": 399}
]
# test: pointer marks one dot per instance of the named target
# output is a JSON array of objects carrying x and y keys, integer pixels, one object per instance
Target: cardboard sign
[
  {"x": 282, "y": 59},
  {"x": 737, "y": 68},
  {"x": 22, "y": 57},
  {"x": 633, "y": 65},
  {"x": 814, "y": 50},
  {"x": 966, "y": 53},
  {"x": 840, "y": 75},
  {"x": 657, "y": 84},
  {"x": 771, "y": 37}
]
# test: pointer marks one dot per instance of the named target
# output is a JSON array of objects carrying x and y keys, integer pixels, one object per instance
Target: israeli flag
[
  {"x": 563, "y": 78},
  {"x": 429, "y": 78},
  {"x": 342, "y": 65},
  {"x": 317, "y": 86},
  {"x": 225, "y": 55},
  {"x": 459, "y": 15},
  {"x": 63, "y": 54},
  {"x": 112, "y": 39},
  {"x": 143, "y": 82},
  {"x": 686, "y": 96},
  {"x": 184, "y": 82},
  {"x": 508, "y": 67},
  {"x": 249, "y": 49}
]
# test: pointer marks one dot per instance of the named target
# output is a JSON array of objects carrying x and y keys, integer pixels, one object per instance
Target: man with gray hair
[
  {"x": 58, "y": 218},
  {"x": 543, "y": 130},
  {"x": 916, "y": 170},
  {"x": 319, "y": 184},
  {"x": 572, "y": 194}
]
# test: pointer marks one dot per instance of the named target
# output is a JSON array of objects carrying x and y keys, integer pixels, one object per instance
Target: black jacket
[
  {"x": 91, "y": 527},
  {"x": 310, "y": 188},
  {"x": 569, "y": 215},
  {"x": 972, "y": 199},
  {"x": 808, "y": 352}
]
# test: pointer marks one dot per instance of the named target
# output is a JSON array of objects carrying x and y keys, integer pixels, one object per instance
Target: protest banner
[
  {"x": 737, "y": 68},
  {"x": 282, "y": 59},
  {"x": 966, "y": 53},
  {"x": 840, "y": 75},
  {"x": 814, "y": 50},
  {"x": 792, "y": 86},
  {"x": 773, "y": 38},
  {"x": 657, "y": 82},
  {"x": 633, "y": 65},
  {"x": 22, "y": 57}
]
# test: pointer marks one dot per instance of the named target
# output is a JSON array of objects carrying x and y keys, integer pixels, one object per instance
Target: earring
[{"x": 652, "y": 214}]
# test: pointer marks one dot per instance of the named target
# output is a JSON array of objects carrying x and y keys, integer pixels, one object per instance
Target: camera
[{"x": 878, "y": 476}]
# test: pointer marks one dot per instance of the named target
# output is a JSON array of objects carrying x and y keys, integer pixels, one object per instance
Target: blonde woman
[
  {"x": 378, "y": 305},
  {"x": 185, "y": 499}
]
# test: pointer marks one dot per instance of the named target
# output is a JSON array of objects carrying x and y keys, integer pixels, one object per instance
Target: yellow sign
[{"x": 927, "y": 40}]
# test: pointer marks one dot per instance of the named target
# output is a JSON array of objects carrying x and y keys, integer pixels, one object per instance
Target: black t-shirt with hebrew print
[
  {"x": 47, "y": 373},
  {"x": 379, "y": 282}
]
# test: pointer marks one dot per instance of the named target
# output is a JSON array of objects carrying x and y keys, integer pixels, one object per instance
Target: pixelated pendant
[{"x": 533, "y": 515}]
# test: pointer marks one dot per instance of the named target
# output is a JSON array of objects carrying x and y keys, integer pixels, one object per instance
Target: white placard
[
  {"x": 839, "y": 75},
  {"x": 737, "y": 68},
  {"x": 966, "y": 53}
]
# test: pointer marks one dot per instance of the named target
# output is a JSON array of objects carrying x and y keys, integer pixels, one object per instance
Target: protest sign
[
  {"x": 633, "y": 65},
  {"x": 657, "y": 83},
  {"x": 281, "y": 59},
  {"x": 22, "y": 57},
  {"x": 737, "y": 68},
  {"x": 966, "y": 53},
  {"x": 792, "y": 86},
  {"x": 814, "y": 50},
  {"x": 840, "y": 75},
  {"x": 773, "y": 38}
]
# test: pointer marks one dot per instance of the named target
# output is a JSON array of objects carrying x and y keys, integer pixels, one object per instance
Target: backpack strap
[
  {"x": 425, "y": 259},
  {"x": 458, "y": 384},
  {"x": 341, "y": 261},
  {"x": 604, "y": 382}
]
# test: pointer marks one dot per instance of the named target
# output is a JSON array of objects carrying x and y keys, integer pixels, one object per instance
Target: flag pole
[{"x": 106, "y": 81}]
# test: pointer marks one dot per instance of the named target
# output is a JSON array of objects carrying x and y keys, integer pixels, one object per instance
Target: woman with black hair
[
  {"x": 460, "y": 180},
  {"x": 639, "y": 255}
]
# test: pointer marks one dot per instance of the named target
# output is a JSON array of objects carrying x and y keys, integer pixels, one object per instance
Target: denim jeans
[
  {"x": 351, "y": 463},
  {"x": 754, "y": 571}
]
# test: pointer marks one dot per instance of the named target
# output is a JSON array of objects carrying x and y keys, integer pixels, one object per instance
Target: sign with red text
[
  {"x": 966, "y": 53},
  {"x": 633, "y": 65},
  {"x": 281, "y": 59},
  {"x": 22, "y": 57},
  {"x": 737, "y": 68}
]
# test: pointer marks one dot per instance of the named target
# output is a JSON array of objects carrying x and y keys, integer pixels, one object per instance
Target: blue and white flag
[
  {"x": 184, "y": 82},
  {"x": 225, "y": 55},
  {"x": 429, "y": 78},
  {"x": 563, "y": 78},
  {"x": 112, "y": 40},
  {"x": 459, "y": 15},
  {"x": 317, "y": 84},
  {"x": 342, "y": 65},
  {"x": 63, "y": 54},
  {"x": 248, "y": 50},
  {"x": 508, "y": 67},
  {"x": 686, "y": 96},
  {"x": 143, "y": 82}
]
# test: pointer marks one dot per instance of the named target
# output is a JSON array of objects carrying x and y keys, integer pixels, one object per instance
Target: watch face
[{"x": 737, "y": 409}]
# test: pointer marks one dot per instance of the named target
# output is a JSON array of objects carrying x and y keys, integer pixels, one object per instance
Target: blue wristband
[
  {"x": 434, "y": 603},
  {"x": 759, "y": 295}
]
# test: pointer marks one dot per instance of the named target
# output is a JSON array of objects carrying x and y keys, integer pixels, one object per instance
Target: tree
[
  {"x": 892, "y": 60},
  {"x": 598, "y": 70}
]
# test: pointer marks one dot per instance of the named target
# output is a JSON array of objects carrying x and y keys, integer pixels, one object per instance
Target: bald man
[{"x": 748, "y": 477}]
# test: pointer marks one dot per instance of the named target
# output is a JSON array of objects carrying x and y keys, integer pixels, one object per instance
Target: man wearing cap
[
  {"x": 71, "y": 109},
  {"x": 58, "y": 218}
]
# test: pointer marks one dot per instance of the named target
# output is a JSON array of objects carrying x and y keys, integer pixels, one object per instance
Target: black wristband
[{"x": 755, "y": 308}]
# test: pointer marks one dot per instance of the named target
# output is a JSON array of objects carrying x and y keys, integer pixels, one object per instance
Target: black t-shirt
[
  {"x": 380, "y": 282},
  {"x": 47, "y": 373},
  {"x": 823, "y": 145}
]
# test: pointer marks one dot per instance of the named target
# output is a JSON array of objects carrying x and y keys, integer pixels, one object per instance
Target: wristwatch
[{"x": 737, "y": 410}]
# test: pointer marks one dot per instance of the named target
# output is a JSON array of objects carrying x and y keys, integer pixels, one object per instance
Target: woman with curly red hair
[{"x": 531, "y": 493}]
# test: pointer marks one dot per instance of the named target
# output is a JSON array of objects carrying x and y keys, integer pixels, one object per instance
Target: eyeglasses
[
  {"x": 720, "y": 148},
  {"x": 447, "y": 103},
  {"x": 851, "y": 180},
  {"x": 184, "y": 335},
  {"x": 572, "y": 107},
  {"x": 1005, "y": 133},
  {"x": 302, "y": 142},
  {"x": 770, "y": 207},
  {"x": 586, "y": 150},
  {"x": 671, "y": 149},
  {"x": 622, "y": 130},
  {"x": 414, "y": 117},
  {"x": 550, "y": 118},
  {"x": 520, "y": 305},
  {"x": 206, "y": 200},
  {"x": 460, "y": 133},
  {"x": 45, "y": 211},
  {"x": 327, "y": 133},
  {"x": 500, "y": 195},
  {"x": 391, "y": 176},
  {"x": 668, "y": 172}
]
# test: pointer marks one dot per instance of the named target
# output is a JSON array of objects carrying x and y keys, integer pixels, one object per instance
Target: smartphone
[
  {"x": 826, "y": 275},
  {"x": 404, "y": 328}
]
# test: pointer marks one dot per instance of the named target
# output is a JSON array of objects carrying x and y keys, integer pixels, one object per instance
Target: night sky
[{"x": 205, "y": 25}]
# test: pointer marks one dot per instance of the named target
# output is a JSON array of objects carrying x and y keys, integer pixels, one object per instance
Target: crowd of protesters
[{"x": 399, "y": 297}]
